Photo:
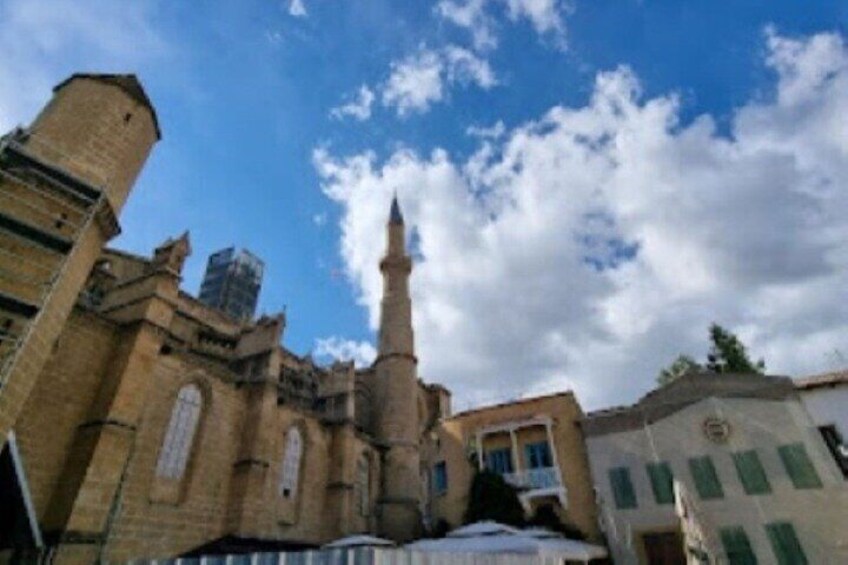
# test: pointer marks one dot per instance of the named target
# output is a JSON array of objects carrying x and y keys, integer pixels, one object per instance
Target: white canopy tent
[
  {"x": 492, "y": 537},
  {"x": 358, "y": 541}
]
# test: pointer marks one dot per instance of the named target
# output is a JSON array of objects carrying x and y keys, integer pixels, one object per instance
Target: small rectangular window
[
  {"x": 440, "y": 477},
  {"x": 751, "y": 472},
  {"x": 499, "y": 460},
  {"x": 538, "y": 455},
  {"x": 662, "y": 482},
  {"x": 622, "y": 488},
  {"x": 798, "y": 466},
  {"x": 705, "y": 477},
  {"x": 785, "y": 544},
  {"x": 737, "y": 547}
]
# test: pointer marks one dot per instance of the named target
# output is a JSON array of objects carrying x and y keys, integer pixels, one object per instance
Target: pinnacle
[{"x": 395, "y": 216}]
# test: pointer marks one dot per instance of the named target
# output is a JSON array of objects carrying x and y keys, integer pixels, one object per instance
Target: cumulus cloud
[
  {"x": 546, "y": 16},
  {"x": 297, "y": 9},
  {"x": 41, "y": 40},
  {"x": 336, "y": 348},
  {"x": 359, "y": 108},
  {"x": 422, "y": 79},
  {"x": 589, "y": 247},
  {"x": 471, "y": 15}
]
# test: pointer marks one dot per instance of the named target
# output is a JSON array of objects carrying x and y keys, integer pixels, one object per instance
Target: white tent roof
[
  {"x": 359, "y": 541},
  {"x": 492, "y": 537},
  {"x": 477, "y": 544},
  {"x": 572, "y": 549},
  {"x": 540, "y": 533},
  {"x": 485, "y": 528}
]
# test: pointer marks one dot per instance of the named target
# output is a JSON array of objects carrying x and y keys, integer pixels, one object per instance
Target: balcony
[{"x": 534, "y": 479}]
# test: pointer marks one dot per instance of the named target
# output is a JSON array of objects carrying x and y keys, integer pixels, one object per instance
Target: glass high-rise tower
[{"x": 232, "y": 282}]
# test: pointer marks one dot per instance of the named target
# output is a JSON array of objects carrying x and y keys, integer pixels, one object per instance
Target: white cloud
[
  {"x": 41, "y": 41},
  {"x": 297, "y": 9},
  {"x": 415, "y": 83},
  {"x": 359, "y": 108},
  {"x": 471, "y": 15},
  {"x": 546, "y": 16},
  {"x": 463, "y": 66},
  {"x": 422, "y": 79},
  {"x": 492, "y": 132},
  {"x": 588, "y": 248},
  {"x": 336, "y": 348}
]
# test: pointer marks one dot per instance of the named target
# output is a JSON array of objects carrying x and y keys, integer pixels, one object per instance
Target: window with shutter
[
  {"x": 662, "y": 482},
  {"x": 751, "y": 472},
  {"x": 705, "y": 477},
  {"x": 737, "y": 548},
  {"x": 179, "y": 438},
  {"x": 785, "y": 544},
  {"x": 622, "y": 488},
  {"x": 798, "y": 466}
]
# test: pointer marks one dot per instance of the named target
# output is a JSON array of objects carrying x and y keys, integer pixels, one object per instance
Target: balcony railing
[{"x": 534, "y": 479}]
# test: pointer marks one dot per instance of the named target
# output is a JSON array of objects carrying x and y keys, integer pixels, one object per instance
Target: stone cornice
[{"x": 385, "y": 356}]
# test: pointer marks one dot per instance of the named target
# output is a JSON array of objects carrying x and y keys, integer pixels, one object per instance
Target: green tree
[
  {"x": 681, "y": 366},
  {"x": 492, "y": 498},
  {"x": 728, "y": 354}
]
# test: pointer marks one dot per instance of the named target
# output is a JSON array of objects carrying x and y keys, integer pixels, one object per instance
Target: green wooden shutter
[
  {"x": 705, "y": 477},
  {"x": 622, "y": 487},
  {"x": 798, "y": 466},
  {"x": 751, "y": 472},
  {"x": 737, "y": 547},
  {"x": 661, "y": 482},
  {"x": 785, "y": 544}
]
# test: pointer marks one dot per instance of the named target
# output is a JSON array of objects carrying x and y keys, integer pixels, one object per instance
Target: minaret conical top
[{"x": 395, "y": 217}]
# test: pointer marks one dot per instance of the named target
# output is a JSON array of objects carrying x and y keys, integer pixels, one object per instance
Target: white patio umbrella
[{"x": 359, "y": 541}]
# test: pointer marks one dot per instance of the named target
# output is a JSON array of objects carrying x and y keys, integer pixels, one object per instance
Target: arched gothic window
[
  {"x": 291, "y": 463},
  {"x": 363, "y": 480},
  {"x": 180, "y": 435}
]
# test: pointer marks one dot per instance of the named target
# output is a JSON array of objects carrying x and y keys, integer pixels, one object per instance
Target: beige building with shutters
[
  {"x": 536, "y": 446},
  {"x": 760, "y": 477}
]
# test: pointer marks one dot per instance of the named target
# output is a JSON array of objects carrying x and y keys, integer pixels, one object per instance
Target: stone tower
[
  {"x": 397, "y": 392},
  {"x": 63, "y": 182}
]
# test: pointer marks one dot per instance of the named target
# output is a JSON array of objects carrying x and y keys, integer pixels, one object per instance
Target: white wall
[
  {"x": 828, "y": 405},
  {"x": 818, "y": 515}
]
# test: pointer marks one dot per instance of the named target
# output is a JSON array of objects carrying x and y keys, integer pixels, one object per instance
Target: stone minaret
[{"x": 397, "y": 393}]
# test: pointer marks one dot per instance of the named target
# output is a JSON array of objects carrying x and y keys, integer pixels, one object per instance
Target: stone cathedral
[
  {"x": 137, "y": 422},
  {"x": 149, "y": 424}
]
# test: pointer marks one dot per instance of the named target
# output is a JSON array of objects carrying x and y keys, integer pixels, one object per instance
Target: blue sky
[{"x": 258, "y": 151}]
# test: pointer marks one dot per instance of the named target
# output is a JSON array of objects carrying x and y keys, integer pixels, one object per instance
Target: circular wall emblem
[{"x": 716, "y": 429}]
